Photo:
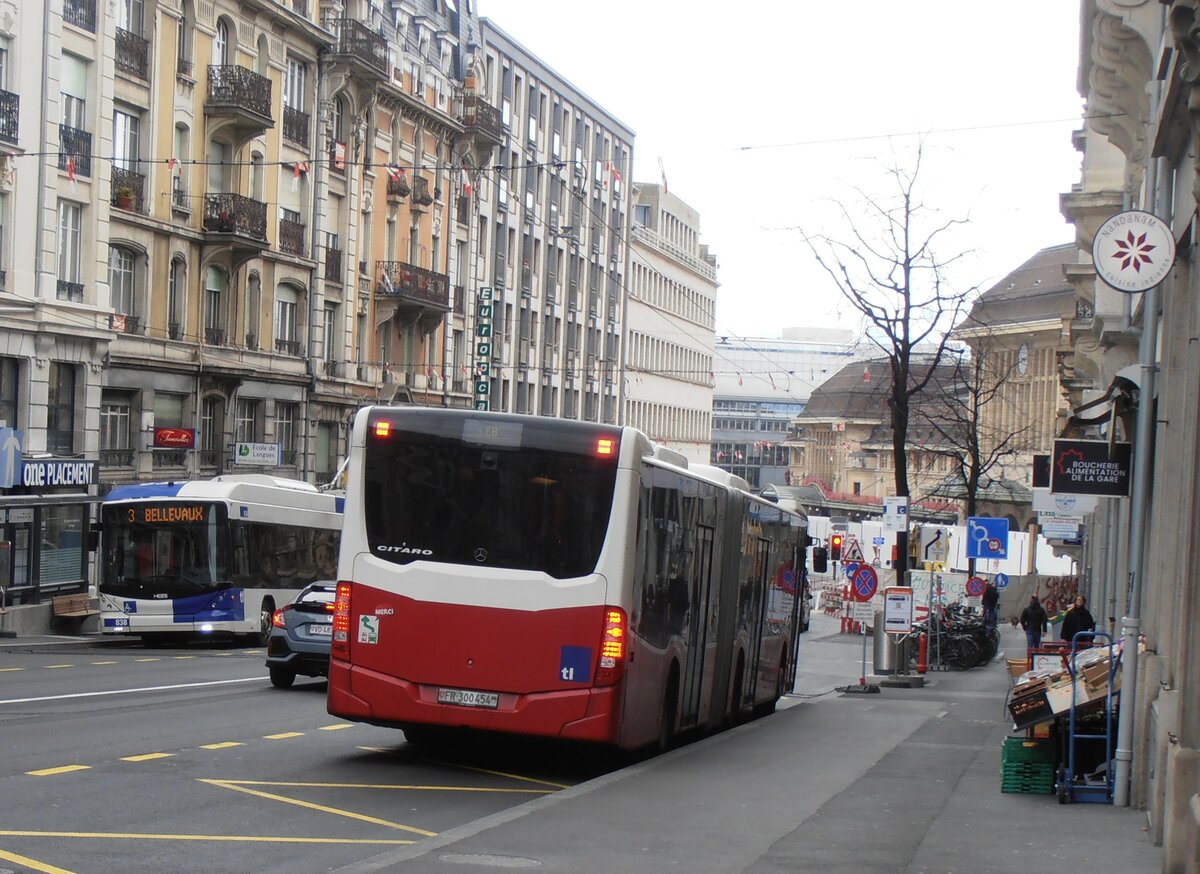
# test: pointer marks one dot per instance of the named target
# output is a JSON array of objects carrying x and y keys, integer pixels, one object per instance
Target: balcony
[
  {"x": 291, "y": 237},
  {"x": 170, "y": 458},
  {"x": 252, "y": 342},
  {"x": 482, "y": 119},
  {"x": 10, "y": 105},
  {"x": 412, "y": 293},
  {"x": 174, "y": 331},
  {"x": 70, "y": 291},
  {"x": 237, "y": 222},
  {"x": 128, "y": 190},
  {"x": 74, "y": 144},
  {"x": 132, "y": 53},
  {"x": 241, "y": 98},
  {"x": 116, "y": 458},
  {"x": 285, "y": 346},
  {"x": 214, "y": 336},
  {"x": 398, "y": 188},
  {"x": 295, "y": 126},
  {"x": 358, "y": 45},
  {"x": 81, "y": 13},
  {"x": 333, "y": 265},
  {"x": 421, "y": 195}
]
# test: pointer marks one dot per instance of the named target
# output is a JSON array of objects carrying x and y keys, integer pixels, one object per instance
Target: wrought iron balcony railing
[
  {"x": 133, "y": 325},
  {"x": 183, "y": 67},
  {"x": 396, "y": 278},
  {"x": 116, "y": 458},
  {"x": 132, "y": 53},
  {"x": 481, "y": 117},
  {"x": 358, "y": 42},
  {"x": 252, "y": 342},
  {"x": 174, "y": 331},
  {"x": 421, "y": 195},
  {"x": 74, "y": 144},
  {"x": 232, "y": 86},
  {"x": 333, "y": 264},
  {"x": 214, "y": 336},
  {"x": 81, "y": 13},
  {"x": 295, "y": 126},
  {"x": 128, "y": 190},
  {"x": 287, "y": 347},
  {"x": 398, "y": 188},
  {"x": 72, "y": 291},
  {"x": 10, "y": 105},
  {"x": 170, "y": 457},
  {"x": 235, "y": 214},
  {"x": 291, "y": 237}
]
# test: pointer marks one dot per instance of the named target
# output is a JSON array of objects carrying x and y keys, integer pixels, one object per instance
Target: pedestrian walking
[
  {"x": 1077, "y": 619},
  {"x": 991, "y": 604},
  {"x": 1035, "y": 622}
]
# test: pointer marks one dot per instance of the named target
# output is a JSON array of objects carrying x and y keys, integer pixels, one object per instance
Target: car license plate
[
  {"x": 324, "y": 630},
  {"x": 467, "y": 698}
]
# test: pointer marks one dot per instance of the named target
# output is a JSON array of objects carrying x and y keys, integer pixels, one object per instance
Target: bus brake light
[
  {"x": 340, "y": 644},
  {"x": 604, "y": 446},
  {"x": 613, "y": 647}
]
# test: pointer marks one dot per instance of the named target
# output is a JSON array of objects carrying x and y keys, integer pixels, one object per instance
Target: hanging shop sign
[
  {"x": 174, "y": 438},
  {"x": 482, "y": 373},
  {"x": 1133, "y": 251},
  {"x": 1090, "y": 467}
]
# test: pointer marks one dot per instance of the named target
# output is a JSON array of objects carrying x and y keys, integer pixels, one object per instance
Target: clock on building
[{"x": 1023, "y": 359}]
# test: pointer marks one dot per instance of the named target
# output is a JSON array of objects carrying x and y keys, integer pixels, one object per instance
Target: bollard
[{"x": 923, "y": 653}]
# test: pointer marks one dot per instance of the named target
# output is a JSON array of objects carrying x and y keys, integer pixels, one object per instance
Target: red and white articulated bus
[{"x": 555, "y": 578}]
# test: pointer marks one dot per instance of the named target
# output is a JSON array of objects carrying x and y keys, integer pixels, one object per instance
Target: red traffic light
[{"x": 835, "y": 547}]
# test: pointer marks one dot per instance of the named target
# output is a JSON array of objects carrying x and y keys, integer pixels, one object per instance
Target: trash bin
[{"x": 890, "y": 657}]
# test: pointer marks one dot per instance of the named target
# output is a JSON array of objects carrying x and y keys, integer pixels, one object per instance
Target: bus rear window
[{"x": 511, "y": 501}]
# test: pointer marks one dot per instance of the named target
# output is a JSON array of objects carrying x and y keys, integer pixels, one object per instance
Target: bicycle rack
[{"x": 1069, "y": 787}]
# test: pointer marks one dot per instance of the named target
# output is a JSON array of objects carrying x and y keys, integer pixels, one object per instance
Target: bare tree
[{"x": 890, "y": 270}]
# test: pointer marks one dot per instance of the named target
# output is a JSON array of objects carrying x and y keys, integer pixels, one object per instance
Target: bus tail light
[
  {"x": 340, "y": 644},
  {"x": 614, "y": 647}
]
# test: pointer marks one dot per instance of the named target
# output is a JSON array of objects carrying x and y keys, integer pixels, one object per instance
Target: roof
[
  {"x": 1036, "y": 290},
  {"x": 860, "y": 391}
]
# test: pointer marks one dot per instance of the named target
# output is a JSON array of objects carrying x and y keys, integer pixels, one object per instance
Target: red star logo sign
[{"x": 1133, "y": 252}]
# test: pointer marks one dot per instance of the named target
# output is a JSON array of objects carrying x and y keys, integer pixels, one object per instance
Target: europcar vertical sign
[{"x": 482, "y": 372}]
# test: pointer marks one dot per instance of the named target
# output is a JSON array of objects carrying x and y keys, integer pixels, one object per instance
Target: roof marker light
[
  {"x": 604, "y": 446},
  {"x": 383, "y": 429}
]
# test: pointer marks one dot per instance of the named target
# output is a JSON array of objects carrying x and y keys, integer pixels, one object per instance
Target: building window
[
  {"x": 60, "y": 409},
  {"x": 168, "y": 410},
  {"x": 331, "y": 325},
  {"x": 221, "y": 43},
  {"x": 182, "y": 152},
  {"x": 9, "y": 372},
  {"x": 70, "y": 242},
  {"x": 285, "y": 430},
  {"x": 214, "y": 296},
  {"x": 294, "y": 84},
  {"x": 210, "y": 425},
  {"x": 245, "y": 421},
  {"x": 285, "y": 321},
  {"x": 114, "y": 423},
  {"x": 120, "y": 279},
  {"x": 126, "y": 137},
  {"x": 253, "y": 310},
  {"x": 73, "y": 92},
  {"x": 183, "y": 40},
  {"x": 175, "y": 295}
]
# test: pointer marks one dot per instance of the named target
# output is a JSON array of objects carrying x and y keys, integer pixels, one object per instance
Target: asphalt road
[{"x": 118, "y": 758}]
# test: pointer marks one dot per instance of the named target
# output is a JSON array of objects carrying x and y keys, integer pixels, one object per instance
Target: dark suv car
[{"x": 300, "y": 635}]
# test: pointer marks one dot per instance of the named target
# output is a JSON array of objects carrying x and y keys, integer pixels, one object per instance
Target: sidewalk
[{"x": 907, "y": 780}]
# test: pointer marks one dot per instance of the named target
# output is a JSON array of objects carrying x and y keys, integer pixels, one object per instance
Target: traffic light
[
  {"x": 820, "y": 560},
  {"x": 835, "y": 547}
]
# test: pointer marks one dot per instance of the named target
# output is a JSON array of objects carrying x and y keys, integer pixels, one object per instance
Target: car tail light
[
  {"x": 277, "y": 617},
  {"x": 340, "y": 644},
  {"x": 614, "y": 647}
]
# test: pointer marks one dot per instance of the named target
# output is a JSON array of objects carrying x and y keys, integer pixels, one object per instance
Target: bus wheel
[
  {"x": 666, "y": 729},
  {"x": 264, "y": 622},
  {"x": 282, "y": 678},
  {"x": 768, "y": 707}
]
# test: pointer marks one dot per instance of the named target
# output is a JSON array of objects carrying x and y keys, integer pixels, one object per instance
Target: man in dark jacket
[
  {"x": 1035, "y": 622},
  {"x": 1077, "y": 619},
  {"x": 991, "y": 601}
]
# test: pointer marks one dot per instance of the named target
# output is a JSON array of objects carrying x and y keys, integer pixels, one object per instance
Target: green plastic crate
[
  {"x": 1018, "y": 750},
  {"x": 1029, "y": 778}
]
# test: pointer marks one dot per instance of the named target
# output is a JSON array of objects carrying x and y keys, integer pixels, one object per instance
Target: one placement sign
[{"x": 898, "y": 610}]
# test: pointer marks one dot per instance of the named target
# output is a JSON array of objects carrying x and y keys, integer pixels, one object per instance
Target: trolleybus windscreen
[
  {"x": 494, "y": 494},
  {"x": 164, "y": 550}
]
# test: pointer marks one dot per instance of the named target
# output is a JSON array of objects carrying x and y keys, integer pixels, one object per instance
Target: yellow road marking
[
  {"x": 103, "y": 663},
  {"x": 349, "y": 814},
  {"x": 65, "y": 769},
  {"x": 146, "y": 757},
  {"x": 251, "y": 652},
  {"x": 224, "y": 745},
  {"x": 48, "y": 667},
  {"x": 336, "y": 727},
  {"x": 180, "y": 658},
  {"x": 413, "y": 787},
  {"x": 253, "y": 839},
  {"x": 283, "y": 736},
  {"x": 32, "y": 863},
  {"x": 393, "y": 752},
  {"x": 148, "y": 660},
  {"x": 226, "y": 654},
  {"x": 8, "y": 670}
]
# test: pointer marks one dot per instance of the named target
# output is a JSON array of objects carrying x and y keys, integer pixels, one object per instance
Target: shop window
[
  {"x": 245, "y": 424},
  {"x": 62, "y": 545},
  {"x": 168, "y": 410},
  {"x": 60, "y": 409}
]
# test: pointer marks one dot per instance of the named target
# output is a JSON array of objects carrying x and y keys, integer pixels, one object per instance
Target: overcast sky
[{"x": 827, "y": 96}]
